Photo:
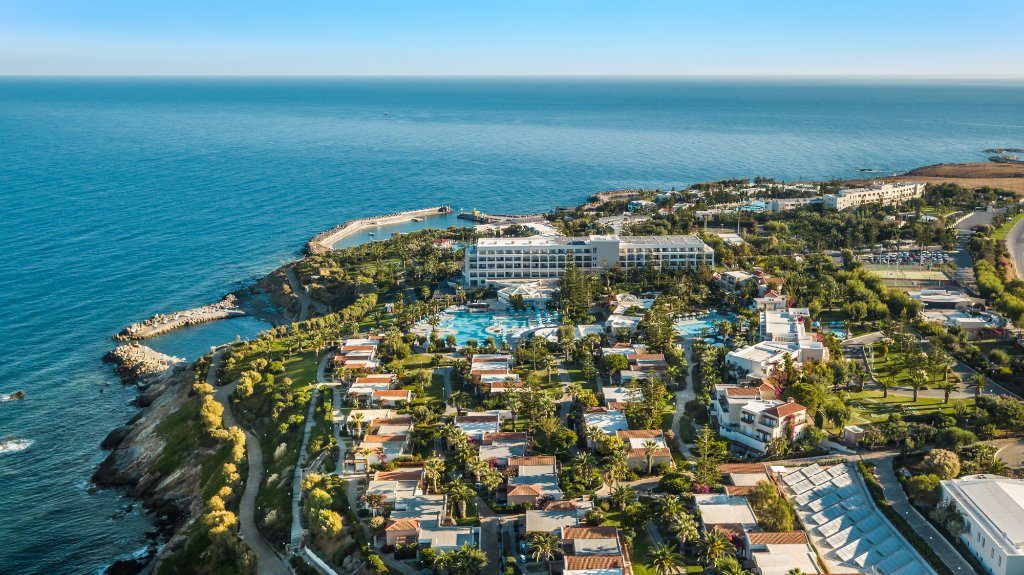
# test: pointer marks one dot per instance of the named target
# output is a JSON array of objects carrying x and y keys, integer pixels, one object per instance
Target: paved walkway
[
  {"x": 490, "y": 537},
  {"x": 682, "y": 397},
  {"x": 268, "y": 561},
  {"x": 304, "y": 298},
  {"x": 894, "y": 494},
  {"x": 296, "y": 534}
]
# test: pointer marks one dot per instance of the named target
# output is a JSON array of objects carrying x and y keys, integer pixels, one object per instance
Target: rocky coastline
[{"x": 172, "y": 497}]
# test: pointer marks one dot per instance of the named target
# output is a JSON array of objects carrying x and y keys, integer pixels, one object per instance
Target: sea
[{"x": 121, "y": 198}]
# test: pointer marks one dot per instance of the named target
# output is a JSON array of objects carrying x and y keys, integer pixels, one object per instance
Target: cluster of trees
[
  {"x": 466, "y": 560},
  {"x": 992, "y": 270},
  {"x": 323, "y": 505},
  {"x": 575, "y": 293}
]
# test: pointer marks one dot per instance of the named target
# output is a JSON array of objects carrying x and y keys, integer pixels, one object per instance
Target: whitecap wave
[{"x": 14, "y": 445}]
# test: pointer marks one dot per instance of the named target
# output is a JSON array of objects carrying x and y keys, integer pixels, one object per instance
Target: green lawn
[
  {"x": 301, "y": 369},
  {"x": 1004, "y": 230},
  {"x": 870, "y": 406},
  {"x": 418, "y": 361}
]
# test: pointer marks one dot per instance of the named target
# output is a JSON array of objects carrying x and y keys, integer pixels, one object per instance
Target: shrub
[{"x": 945, "y": 464}]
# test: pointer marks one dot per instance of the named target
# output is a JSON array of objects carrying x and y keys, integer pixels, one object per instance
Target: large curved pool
[{"x": 479, "y": 325}]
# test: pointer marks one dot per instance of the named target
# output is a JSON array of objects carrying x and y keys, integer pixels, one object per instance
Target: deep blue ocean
[{"x": 122, "y": 198}]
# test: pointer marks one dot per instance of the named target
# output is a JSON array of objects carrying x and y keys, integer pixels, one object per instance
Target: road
[
  {"x": 894, "y": 494},
  {"x": 268, "y": 562},
  {"x": 1011, "y": 451},
  {"x": 682, "y": 397},
  {"x": 490, "y": 537}
]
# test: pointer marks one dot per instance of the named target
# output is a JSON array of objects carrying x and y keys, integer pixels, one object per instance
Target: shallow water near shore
[{"x": 124, "y": 198}]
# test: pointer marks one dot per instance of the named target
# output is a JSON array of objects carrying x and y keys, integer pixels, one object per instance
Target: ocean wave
[{"x": 14, "y": 445}]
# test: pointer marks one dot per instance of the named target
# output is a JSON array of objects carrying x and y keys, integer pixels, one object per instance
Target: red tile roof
[
  {"x": 607, "y": 532},
  {"x": 786, "y": 409},
  {"x": 739, "y": 490},
  {"x": 639, "y": 433},
  {"x": 534, "y": 460},
  {"x": 505, "y": 436},
  {"x": 403, "y": 525},
  {"x": 409, "y": 474},
  {"x": 379, "y": 378},
  {"x": 777, "y": 538},
  {"x": 584, "y": 562},
  {"x": 726, "y": 468},
  {"x": 642, "y": 453},
  {"x": 524, "y": 490},
  {"x": 397, "y": 393}
]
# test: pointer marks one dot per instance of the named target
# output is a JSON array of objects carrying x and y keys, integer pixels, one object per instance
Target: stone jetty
[{"x": 163, "y": 323}]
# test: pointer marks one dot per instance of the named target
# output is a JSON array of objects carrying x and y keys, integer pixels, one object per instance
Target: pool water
[
  {"x": 694, "y": 327},
  {"x": 502, "y": 326}
]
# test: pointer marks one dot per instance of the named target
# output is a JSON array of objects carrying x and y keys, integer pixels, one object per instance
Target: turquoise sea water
[{"x": 122, "y": 198}]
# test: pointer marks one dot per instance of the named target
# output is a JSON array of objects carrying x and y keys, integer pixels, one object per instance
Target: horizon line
[{"x": 759, "y": 76}]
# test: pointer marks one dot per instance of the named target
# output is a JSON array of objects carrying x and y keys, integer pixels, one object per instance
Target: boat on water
[{"x": 417, "y": 219}]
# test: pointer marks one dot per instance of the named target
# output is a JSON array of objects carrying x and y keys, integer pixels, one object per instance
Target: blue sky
[{"x": 522, "y": 37}]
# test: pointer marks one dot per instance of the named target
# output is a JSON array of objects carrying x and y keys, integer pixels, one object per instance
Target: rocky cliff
[{"x": 139, "y": 460}]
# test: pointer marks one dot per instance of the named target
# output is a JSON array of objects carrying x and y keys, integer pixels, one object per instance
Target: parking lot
[{"x": 926, "y": 258}]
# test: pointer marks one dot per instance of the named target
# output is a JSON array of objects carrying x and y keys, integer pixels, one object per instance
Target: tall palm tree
[
  {"x": 434, "y": 467},
  {"x": 918, "y": 381},
  {"x": 650, "y": 448},
  {"x": 671, "y": 507},
  {"x": 374, "y": 501},
  {"x": 544, "y": 546},
  {"x": 685, "y": 527},
  {"x": 358, "y": 419},
  {"x": 467, "y": 560},
  {"x": 979, "y": 385},
  {"x": 615, "y": 466},
  {"x": 947, "y": 388},
  {"x": 714, "y": 546},
  {"x": 585, "y": 462},
  {"x": 623, "y": 496},
  {"x": 460, "y": 494},
  {"x": 664, "y": 559},
  {"x": 733, "y": 568}
]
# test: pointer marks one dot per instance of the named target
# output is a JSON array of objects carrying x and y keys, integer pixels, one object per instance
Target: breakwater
[
  {"x": 476, "y": 216},
  {"x": 324, "y": 241},
  {"x": 162, "y": 323}
]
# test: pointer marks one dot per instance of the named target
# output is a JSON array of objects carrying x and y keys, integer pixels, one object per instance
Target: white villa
[{"x": 750, "y": 417}]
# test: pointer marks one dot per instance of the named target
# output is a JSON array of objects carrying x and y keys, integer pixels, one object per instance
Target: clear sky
[{"x": 519, "y": 37}]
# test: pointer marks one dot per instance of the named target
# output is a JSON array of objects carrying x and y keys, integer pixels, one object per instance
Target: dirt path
[{"x": 268, "y": 561}]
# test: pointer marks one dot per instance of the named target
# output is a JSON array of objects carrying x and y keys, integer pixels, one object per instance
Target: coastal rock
[{"x": 136, "y": 363}]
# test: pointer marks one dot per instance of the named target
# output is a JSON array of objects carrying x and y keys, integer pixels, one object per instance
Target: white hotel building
[
  {"x": 494, "y": 261},
  {"x": 992, "y": 507},
  {"x": 875, "y": 194}
]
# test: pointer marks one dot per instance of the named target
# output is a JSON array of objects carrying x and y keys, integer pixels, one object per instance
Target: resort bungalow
[
  {"x": 639, "y": 440},
  {"x": 357, "y": 354},
  {"x": 771, "y": 301},
  {"x": 424, "y": 520},
  {"x": 760, "y": 360},
  {"x": 534, "y": 479},
  {"x": 779, "y": 553},
  {"x": 391, "y": 397},
  {"x": 501, "y": 382},
  {"x": 728, "y": 512},
  {"x": 590, "y": 542},
  {"x": 476, "y": 425},
  {"x": 396, "y": 485},
  {"x": 363, "y": 387},
  {"x": 498, "y": 448},
  {"x": 377, "y": 449},
  {"x": 604, "y": 420},
  {"x": 554, "y": 516}
]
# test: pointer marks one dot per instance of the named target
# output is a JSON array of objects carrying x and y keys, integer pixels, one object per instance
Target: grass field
[
  {"x": 870, "y": 406},
  {"x": 1004, "y": 230}
]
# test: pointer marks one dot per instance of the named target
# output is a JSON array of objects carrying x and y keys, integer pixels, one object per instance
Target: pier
[{"x": 324, "y": 241}]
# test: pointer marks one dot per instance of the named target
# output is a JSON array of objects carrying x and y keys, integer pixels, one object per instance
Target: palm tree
[
  {"x": 544, "y": 546},
  {"x": 365, "y": 452},
  {"x": 434, "y": 467},
  {"x": 460, "y": 494},
  {"x": 357, "y": 418},
  {"x": 623, "y": 496},
  {"x": 887, "y": 382},
  {"x": 714, "y": 546},
  {"x": 671, "y": 507},
  {"x": 575, "y": 390},
  {"x": 664, "y": 559},
  {"x": 459, "y": 399},
  {"x": 947, "y": 388},
  {"x": 685, "y": 527},
  {"x": 650, "y": 448},
  {"x": 585, "y": 462},
  {"x": 374, "y": 501},
  {"x": 918, "y": 381},
  {"x": 615, "y": 466},
  {"x": 979, "y": 385},
  {"x": 467, "y": 560},
  {"x": 733, "y": 568}
]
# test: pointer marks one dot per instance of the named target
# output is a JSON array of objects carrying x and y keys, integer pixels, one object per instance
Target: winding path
[
  {"x": 304, "y": 298},
  {"x": 268, "y": 561}
]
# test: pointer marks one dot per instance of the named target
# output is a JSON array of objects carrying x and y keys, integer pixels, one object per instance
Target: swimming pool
[
  {"x": 479, "y": 325},
  {"x": 695, "y": 327}
]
